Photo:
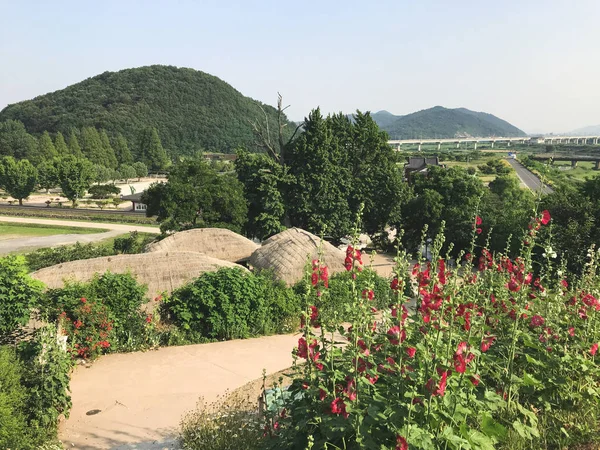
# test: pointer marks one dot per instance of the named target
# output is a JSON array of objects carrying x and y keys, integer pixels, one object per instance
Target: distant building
[
  {"x": 136, "y": 200},
  {"x": 418, "y": 164}
]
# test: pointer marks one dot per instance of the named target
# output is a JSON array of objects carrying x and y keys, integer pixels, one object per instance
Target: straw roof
[
  {"x": 286, "y": 253},
  {"x": 216, "y": 242},
  {"x": 160, "y": 271}
]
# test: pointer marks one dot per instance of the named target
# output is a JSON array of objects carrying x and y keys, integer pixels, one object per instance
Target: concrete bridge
[
  {"x": 579, "y": 140},
  {"x": 574, "y": 159}
]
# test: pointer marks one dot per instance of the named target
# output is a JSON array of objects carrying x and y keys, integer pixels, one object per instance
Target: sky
[{"x": 534, "y": 63}]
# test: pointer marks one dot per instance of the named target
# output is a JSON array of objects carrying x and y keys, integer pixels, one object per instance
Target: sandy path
[
  {"x": 21, "y": 244},
  {"x": 143, "y": 396}
]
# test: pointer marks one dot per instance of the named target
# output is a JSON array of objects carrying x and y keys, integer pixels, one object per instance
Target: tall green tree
[
  {"x": 127, "y": 172},
  {"x": 18, "y": 178},
  {"x": 48, "y": 174},
  {"x": 141, "y": 170},
  {"x": 263, "y": 180},
  {"x": 92, "y": 148},
  {"x": 317, "y": 198},
  {"x": 151, "y": 151},
  {"x": 197, "y": 196},
  {"x": 45, "y": 149},
  {"x": 61, "y": 145},
  {"x": 102, "y": 174},
  {"x": 75, "y": 176},
  {"x": 16, "y": 141},
  {"x": 109, "y": 152},
  {"x": 122, "y": 151},
  {"x": 74, "y": 147}
]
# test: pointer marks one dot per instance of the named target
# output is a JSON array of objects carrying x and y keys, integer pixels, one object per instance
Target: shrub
[
  {"x": 496, "y": 354},
  {"x": 103, "y": 191},
  {"x": 231, "y": 304},
  {"x": 134, "y": 243},
  {"x": 70, "y": 214},
  {"x": 13, "y": 423},
  {"x": 46, "y": 376},
  {"x": 46, "y": 257},
  {"x": 100, "y": 315},
  {"x": 334, "y": 303},
  {"x": 18, "y": 293}
]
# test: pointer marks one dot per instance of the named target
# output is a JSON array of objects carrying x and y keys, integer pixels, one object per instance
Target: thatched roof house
[
  {"x": 286, "y": 253},
  {"x": 160, "y": 271},
  {"x": 216, "y": 242}
]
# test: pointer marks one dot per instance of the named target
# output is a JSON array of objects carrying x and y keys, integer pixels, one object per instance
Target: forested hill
[
  {"x": 440, "y": 122},
  {"x": 191, "y": 110}
]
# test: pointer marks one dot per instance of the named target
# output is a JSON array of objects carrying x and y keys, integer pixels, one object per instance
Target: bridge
[
  {"x": 574, "y": 159},
  {"x": 579, "y": 140}
]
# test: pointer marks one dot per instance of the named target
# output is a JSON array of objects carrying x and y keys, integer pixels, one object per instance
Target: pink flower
[
  {"x": 478, "y": 220},
  {"x": 83, "y": 300},
  {"x": 396, "y": 335},
  {"x": 411, "y": 351},
  {"x": 401, "y": 443},
  {"x": 545, "y": 217},
  {"x": 339, "y": 407},
  {"x": 537, "y": 321},
  {"x": 513, "y": 286},
  {"x": 322, "y": 394},
  {"x": 594, "y": 349},
  {"x": 486, "y": 343}
]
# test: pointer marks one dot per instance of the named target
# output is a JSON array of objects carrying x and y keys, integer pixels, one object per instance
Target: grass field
[
  {"x": 20, "y": 230},
  {"x": 581, "y": 172}
]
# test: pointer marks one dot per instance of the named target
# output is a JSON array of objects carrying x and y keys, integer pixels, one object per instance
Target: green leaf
[{"x": 492, "y": 428}]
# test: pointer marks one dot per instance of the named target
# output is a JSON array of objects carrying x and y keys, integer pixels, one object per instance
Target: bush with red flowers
[{"x": 490, "y": 353}]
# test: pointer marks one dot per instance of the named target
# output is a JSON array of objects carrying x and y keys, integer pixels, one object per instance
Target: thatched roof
[
  {"x": 216, "y": 242},
  {"x": 160, "y": 271},
  {"x": 286, "y": 253}
]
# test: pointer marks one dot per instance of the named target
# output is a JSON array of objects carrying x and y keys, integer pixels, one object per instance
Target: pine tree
[
  {"x": 45, "y": 149},
  {"x": 151, "y": 150},
  {"x": 74, "y": 148},
  {"x": 91, "y": 146},
  {"x": 60, "y": 145},
  {"x": 109, "y": 153},
  {"x": 122, "y": 152}
]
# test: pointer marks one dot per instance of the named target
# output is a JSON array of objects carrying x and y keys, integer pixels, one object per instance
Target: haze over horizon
[{"x": 530, "y": 63}]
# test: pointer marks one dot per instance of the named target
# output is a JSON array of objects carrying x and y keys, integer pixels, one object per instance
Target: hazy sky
[{"x": 535, "y": 63}]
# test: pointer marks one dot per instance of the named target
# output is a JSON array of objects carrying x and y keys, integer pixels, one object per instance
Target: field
[
  {"x": 581, "y": 172},
  {"x": 16, "y": 231}
]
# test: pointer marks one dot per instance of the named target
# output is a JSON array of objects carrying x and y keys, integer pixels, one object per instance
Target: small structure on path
[
  {"x": 160, "y": 271},
  {"x": 287, "y": 253},
  {"x": 136, "y": 200},
  {"x": 218, "y": 243}
]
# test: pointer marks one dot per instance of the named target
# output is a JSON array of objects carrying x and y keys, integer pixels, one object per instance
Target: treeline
[{"x": 87, "y": 142}]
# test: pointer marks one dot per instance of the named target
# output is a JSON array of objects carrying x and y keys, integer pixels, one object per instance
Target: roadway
[{"x": 528, "y": 178}]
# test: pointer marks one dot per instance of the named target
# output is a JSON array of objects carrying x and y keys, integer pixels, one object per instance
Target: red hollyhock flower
[
  {"x": 572, "y": 331},
  {"x": 411, "y": 351},
  {"x": 594, "y": 349},
  {"x": 545, "y": 217},
  {"x": 148, "y": 319},
  {"x": 396, "y": 335},
  {"x": 401, "y": 443},
  {"x": 513, "y": 285},
  {"x": 478, "y": 220},
  {"x": 537, "y": 321},
  {"x": 395, "y": 284},
  {"x": 478, "y": 230},
  {"x": 83, "y": 300},
  {"x": 325, "y": 276},
  {"x": 322, "y": 394},
  {"x": 339, "y": 407},
  {"x": 302, "y": 348},
  {"x": 315, "y": 278},
  {"x": 475, "y": 380},
  {"x": 487, "y": 343},
  {"x": 314, "y": 313}
]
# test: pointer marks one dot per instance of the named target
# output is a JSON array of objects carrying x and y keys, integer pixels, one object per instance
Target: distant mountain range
[
  {"x": 440, "y": 122},
  {"x": 592, "y": 130}
]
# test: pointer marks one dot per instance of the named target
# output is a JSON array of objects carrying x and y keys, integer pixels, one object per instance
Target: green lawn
[
  {"x": 9, "y": 230},
  {"x": 583, "y": 170}
]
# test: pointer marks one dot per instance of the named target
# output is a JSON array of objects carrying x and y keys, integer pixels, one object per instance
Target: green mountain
[
  {"x": 191, "y": 110},
  {"x": 440, "y": 122}
]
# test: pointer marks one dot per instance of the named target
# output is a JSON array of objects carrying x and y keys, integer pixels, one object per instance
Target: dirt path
[
  {"x": 143, "y": 396},
  {"x": 21, "y": 244}
]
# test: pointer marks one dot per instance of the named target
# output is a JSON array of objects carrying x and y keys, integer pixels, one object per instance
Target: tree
[
  {"x": 18, "y": 178},
  {"x": 114, "y": 175},
  {"x": 75, "y": 176},
  {"x": 74, "y": 148},
  {"x": 122, "y": 151},
  {"x": 262, "y": 178},
  {"x": 109, "y": 153},
  {"x": 15, "y": 141},
  {"x": 141, "y": 170},
  {"x": 102, "y": 174},
  {"x": 48, "y": 174},
  {"x": 127, "y": 172},
  {"x": 92, "y": 148},
  {"x": 197, "y": 196},
  {"x": 45, "y": 149},
  {"x": 151, "y": 150},
  {"x": 60, "y": 145}
]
